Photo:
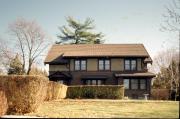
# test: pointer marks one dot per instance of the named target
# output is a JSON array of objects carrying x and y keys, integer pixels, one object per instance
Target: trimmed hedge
[
  {"x": 102, "y": 91},
  {"x": 3, "y": 102},
  {"x": 56, "y": 91},
  {"x": 160, "y": 94},
  {"x": 24, "y": 93}
]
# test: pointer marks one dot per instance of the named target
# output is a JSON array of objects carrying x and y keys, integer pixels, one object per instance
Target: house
[{"x": 102, "y": 64}]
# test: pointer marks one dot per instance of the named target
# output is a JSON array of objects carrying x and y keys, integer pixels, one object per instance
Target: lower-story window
[
  {"x": 61, "y": 81},
  {"x": 142, "y": 84},
  {"x": 134, "y": 84},
  {"x": 94, "y": 82},
  {"x": 126, "y": 83}
]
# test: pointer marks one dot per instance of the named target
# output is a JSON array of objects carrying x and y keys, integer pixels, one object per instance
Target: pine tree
[
  {"x": 15, "y": 66},
  {"x": 79, "y": 33}
]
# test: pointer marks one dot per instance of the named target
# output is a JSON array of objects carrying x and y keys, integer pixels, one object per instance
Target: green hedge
[
  {"x": 55, "y": 91},
  {"x": 102, "y": 92},
  {"x": 24, "y": 93}
]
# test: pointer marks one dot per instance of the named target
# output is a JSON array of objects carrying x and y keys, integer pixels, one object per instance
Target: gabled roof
[{"x": 96, "y": 50}]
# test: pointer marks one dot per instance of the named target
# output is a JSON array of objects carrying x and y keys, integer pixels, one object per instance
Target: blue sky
[{"x": 121, "y": 21}]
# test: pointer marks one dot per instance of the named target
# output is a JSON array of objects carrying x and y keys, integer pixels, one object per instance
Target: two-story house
[{"x": 102, "y": 64}]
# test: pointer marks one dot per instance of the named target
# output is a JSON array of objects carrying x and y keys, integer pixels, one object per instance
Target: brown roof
[
  {"x": 96, "y": 50},
  {"x": 139, "y": 74}
]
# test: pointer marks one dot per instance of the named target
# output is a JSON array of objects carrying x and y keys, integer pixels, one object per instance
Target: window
[
  {"x": 130, "y": 64},
  {"x": 104, "y": 64},
  {"x": 107, "y": 65},
  {"x": 127, "y": 64},
  {"x": 88, "y": 82},
  {"x": 60, "y": 81},
  {"x": 133, "y": 64},
  {"x": 99, "y": 82},
  {"x": 94, "y": 82},
  {"x": 134, "y": 83},
  {"x": 101, "y": 65},
  {"x": 83, "y": 64},
  {"x": 142, "y": 84},
  {"x": 126, "y": 83},
  {"x": 80, "y": 65},
  {"x": 77, "y": 64}
]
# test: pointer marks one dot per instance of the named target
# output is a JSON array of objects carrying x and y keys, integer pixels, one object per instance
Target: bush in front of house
[
  {"x": 55, "y": 91},
  {"x": 24, "y": 93},
  {"x": 101, "y": 91},
  {"x": 3, "y": 102},
  {"x": 160, "y": 94}
]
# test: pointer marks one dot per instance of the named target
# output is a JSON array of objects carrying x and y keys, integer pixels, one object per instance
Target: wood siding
[{"x": 139, "y": 64}]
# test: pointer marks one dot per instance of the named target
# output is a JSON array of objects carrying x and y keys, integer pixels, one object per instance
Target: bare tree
[
  {"x": 172, "y": 19},
  {"x": 166, "y": 64},
  {"x": 6, "y": 55},
  {"x": 30, "y": 40}
]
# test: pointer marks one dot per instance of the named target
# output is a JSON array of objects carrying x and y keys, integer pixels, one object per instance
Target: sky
[{"x": 121, "y": 21}]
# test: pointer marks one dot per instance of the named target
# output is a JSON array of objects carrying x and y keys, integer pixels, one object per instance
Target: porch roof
[{"x": 132, "y": 74}]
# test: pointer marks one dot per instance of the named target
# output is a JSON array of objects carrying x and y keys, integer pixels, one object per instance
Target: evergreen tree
[
  {"x": 15, "y": 66},
  {"x": 79, "y": 33}
]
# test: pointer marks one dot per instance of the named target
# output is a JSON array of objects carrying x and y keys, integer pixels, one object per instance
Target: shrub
[
  {"x": 3, "y": 102},
  {"x": 24, "y": 93},
  {"x": 102, "y": 92},
  {"x": 160, "y": 94},
  {"x": 56, "y": 91}
]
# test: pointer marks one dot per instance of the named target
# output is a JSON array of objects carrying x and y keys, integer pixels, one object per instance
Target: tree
[
  {"x": 79, "y": 33},
  {"x": 30, "y": 39},
  {"x": 166, "y": 65},
  {"x": 172, "y": 19},
  {"x": 15, "y": 66}
]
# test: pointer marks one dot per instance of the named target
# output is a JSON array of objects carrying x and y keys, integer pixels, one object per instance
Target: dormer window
[{"x": 130, "y": 64}]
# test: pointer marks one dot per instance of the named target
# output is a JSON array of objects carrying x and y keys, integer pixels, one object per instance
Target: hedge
[
  {"x": 102, "y": 92},
  {"x": 24, "y": 93},
  {"x": 56, "y": 91},
  {"x": 3, "y": 102},
  {"x": 160, "y": 94}
]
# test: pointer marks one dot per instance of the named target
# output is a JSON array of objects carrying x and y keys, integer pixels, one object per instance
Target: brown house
[{"x": 102, "y": 64}]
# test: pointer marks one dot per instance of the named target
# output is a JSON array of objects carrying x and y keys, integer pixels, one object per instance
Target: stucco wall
[
  {"x": 117, "y": 64},
  {"x": 58, "y": 68},
  {"x": 92, "y": 64}
]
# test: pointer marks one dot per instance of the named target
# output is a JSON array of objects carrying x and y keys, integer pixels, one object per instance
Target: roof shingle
[{"x": 97, "y": 50}]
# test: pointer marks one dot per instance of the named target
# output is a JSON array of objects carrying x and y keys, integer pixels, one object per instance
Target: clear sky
[{"x": 121, "y": 21}]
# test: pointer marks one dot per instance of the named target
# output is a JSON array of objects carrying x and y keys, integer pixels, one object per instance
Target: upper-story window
[
  {"x": 80, "y": 65},
  {"x": 130, "y": 64},
  {"x": 104, "y": 64}
]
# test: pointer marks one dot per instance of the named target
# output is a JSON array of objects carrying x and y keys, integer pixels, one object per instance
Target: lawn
[{"x": 108, "y": 108}]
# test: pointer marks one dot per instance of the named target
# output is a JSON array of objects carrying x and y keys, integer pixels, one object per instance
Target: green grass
[{"x": 108, "y": 108}]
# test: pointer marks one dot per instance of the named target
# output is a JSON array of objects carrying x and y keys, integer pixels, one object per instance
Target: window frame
[
  {"x": 96, "y": 82},
  {"x": 80, "y": 65},
  {"x": 104, "y": 64},
  {"x": 128, "y": 84},
  {"x": 138, "y": 83},
  {"x": 130, "y": 64},
  {"x": 145, "y": 83}
]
